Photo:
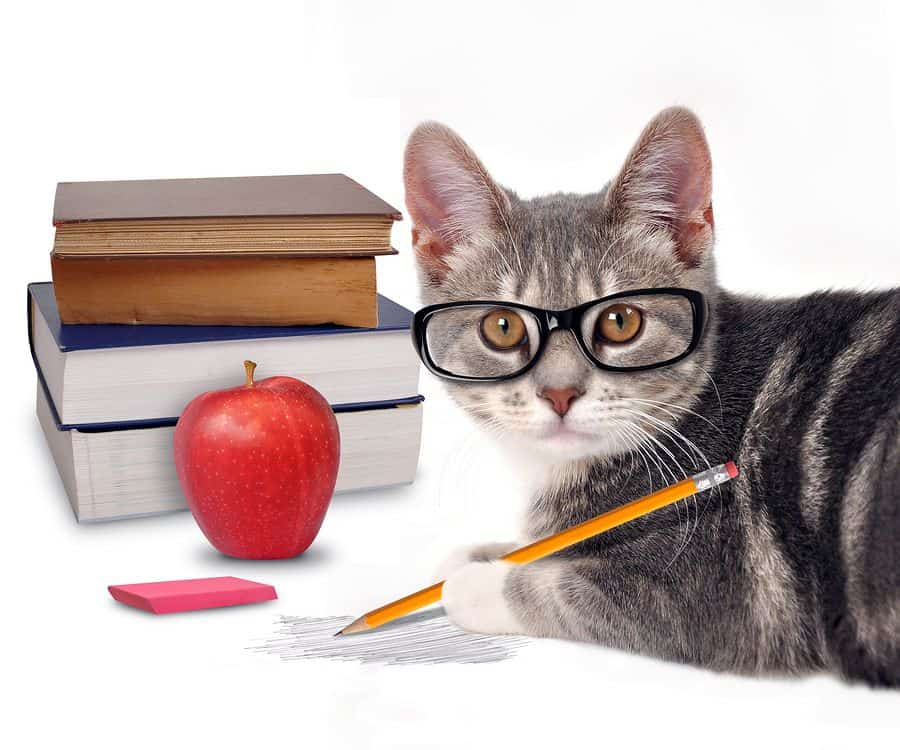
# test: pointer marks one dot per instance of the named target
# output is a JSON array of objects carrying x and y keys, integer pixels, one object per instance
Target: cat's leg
[
  {"x": 475, "y": 598},
  {"x": 473, "y": 553},
  {"x": 584, "y": 599}
]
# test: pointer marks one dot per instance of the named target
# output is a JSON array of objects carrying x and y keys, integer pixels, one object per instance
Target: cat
[{"x": 794, "y": 566}]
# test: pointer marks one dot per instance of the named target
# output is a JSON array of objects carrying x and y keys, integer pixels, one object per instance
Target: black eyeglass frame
[{"x": 551, "y": 320}]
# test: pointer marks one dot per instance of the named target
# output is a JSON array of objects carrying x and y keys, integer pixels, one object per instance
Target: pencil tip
[{"x": 357, "y": 626}]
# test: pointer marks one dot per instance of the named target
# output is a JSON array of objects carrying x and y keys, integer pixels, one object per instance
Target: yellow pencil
[{"x": 536, "y": 550}]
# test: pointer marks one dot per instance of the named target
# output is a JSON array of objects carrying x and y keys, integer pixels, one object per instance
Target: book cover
[{"x": 283, "y": 195}]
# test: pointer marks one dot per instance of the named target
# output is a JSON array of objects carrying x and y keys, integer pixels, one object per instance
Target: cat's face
[{"x": 650, "y": 227}]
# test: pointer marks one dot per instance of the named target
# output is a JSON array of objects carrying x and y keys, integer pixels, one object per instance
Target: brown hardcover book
[
  {"x": 285, "y": 250},
  {"x": 309, "y": 215},
  {"x": 217, "y": 291}
]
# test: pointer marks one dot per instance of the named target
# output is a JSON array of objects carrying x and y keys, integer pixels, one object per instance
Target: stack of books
[{"x": 163, "y": 288}]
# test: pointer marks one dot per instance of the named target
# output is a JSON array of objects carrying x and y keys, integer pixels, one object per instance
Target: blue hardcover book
[
  {"x": 107, "y": 376},
  {"x": 109, "y": 396}
]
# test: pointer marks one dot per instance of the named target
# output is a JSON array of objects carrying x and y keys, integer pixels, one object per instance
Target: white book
[
  {"x": 110, "y": 374},
  {"x": 122, "y": 473}
]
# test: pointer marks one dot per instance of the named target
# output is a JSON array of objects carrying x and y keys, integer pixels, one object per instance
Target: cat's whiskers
[
  {"x": 663, "y": 468},
  {"x": 716, "y": 389},
  {"x": 636, "y": 450},
  {"x": 673, "y": 478},
  {"x": 629, "y": 444},
  {"x": 649, "y": 451},
  {"x": 675, "y": 433},
  {"x": 664, "y": 406},
  {"x": 661, "y": 445},
  {"x": 667, "y": 430},
  {"x": 643, "y": 435}
]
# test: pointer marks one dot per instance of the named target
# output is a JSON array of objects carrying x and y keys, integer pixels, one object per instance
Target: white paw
[
  {"x": 472, "y": 553},
  {"x": 473, "y": 598}
]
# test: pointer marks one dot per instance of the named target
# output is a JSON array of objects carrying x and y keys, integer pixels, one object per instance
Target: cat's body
[
  {"x": 790, "y": 566},
  {"x": 793, "y": 566}
]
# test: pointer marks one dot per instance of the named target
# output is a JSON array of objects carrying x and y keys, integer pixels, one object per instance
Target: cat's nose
[{"x": 560, "y": 398}]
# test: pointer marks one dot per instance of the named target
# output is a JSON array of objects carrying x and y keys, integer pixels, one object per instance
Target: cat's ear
[
  {"x": 667, "y": 181},
  {"x": 450, "y": 196}
]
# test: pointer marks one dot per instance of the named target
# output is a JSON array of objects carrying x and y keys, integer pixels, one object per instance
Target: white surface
[{"x": 801, "y": 103}]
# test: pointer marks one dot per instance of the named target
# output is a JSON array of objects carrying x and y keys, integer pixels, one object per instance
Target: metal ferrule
[{"x": 711, "y": 477}]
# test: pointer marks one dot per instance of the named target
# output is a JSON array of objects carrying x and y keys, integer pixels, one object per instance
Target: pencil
[{"x": 548, "y": 545}]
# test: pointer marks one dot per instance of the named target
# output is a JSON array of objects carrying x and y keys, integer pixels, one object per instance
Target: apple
[{"x": 258, "y": 464}]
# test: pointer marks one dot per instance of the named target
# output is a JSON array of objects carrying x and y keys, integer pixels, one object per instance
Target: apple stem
[{"x": 249, "y": 367}]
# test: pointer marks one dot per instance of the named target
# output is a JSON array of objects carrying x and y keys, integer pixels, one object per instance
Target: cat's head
[{"x": 650, "y": 227}]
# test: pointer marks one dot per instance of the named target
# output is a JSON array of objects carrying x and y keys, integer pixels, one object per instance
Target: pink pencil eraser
[
  {"x": 731, "y": 469},
  {"x": 163, "y": 597}
]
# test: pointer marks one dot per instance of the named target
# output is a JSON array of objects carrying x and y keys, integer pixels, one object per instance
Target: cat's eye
[
  {"x": 503, "y": 329},
  {"x": 618, "y": 324}
]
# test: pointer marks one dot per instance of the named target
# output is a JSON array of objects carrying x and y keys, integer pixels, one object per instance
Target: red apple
[{"x": 258, "y": 464}]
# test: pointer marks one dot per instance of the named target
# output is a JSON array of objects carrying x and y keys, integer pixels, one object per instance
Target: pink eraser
[
  {"x": 163, "y": 597},
  {"x": 731, "y": 469}
]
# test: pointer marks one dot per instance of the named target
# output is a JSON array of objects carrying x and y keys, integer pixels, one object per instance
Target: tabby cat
[{"x": 792, "y": 567}]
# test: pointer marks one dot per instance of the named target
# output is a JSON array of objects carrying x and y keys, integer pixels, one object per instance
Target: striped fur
[{"x": 791, "y": 568}]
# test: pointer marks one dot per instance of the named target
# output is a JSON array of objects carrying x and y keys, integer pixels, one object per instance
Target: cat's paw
[
  {"x": 472, "y": 553},
  {"x": 474, "y": 599}
]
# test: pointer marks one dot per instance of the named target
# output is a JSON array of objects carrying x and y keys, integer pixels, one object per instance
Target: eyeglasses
[{"x": 625, "y": 332}]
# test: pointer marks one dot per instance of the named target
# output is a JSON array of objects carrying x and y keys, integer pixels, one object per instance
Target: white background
[{"x": 801, "y": 102}]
